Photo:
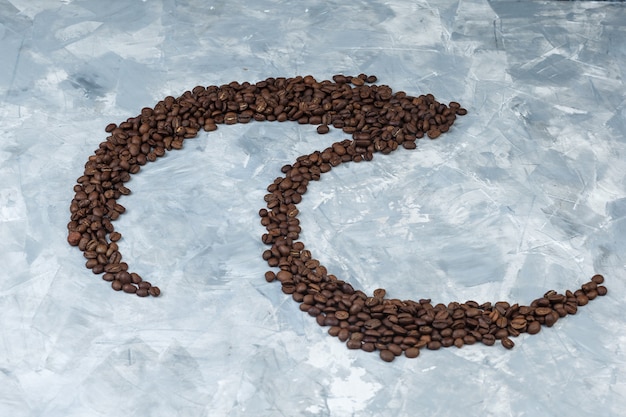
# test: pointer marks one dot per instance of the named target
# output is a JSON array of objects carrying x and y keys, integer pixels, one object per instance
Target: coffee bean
[
  {"x": 598, "y": 279},
  {"x": 507, "y": 343},
  {"x": 353, "y": 344},
  {"x": 343, "y": 334},
  {"x": 387, "y": 355},
  {"x": 380, "y": 293},
  {"x": 129, "y": 288},
  {"x": 74, "y": 238},
  {"x": 412, "y": 352},
  {"x": 533, "y": 327},
  {"x": 488, "y": 339},
  {"x": 433, "y": 345},
  {"x": 542, "y": 311},
  {"x": 342, "y": 315},
  {"x": 323, "y": 129}
]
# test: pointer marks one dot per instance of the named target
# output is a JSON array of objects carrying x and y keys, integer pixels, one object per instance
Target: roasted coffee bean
[
  {"x": 533, "y": 327},
  {"x": 380, "y": 293},
  {"x": 507, "y": 343},
  {"x": 387, "y": 355},
  {"x": 129, "y": 288},
  {"x": 323, "y": 129},
  {"x": 488, "y": 339},
  {"x": 433, "y": 345},
  {"x": 598, "y": 279}
]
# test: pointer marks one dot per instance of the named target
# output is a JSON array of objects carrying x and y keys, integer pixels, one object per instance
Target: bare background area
[{"x": 524, "y": 194}]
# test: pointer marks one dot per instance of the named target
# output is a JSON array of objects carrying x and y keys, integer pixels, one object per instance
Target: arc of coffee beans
[{"x": 379, "y": 121}]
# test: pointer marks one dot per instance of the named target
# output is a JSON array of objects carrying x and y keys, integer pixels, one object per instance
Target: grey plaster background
[{"x": 526, "y": 193}]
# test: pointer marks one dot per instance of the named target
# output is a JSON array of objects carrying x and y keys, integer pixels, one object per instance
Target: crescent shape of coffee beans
[{"x": 379, "y": 120}]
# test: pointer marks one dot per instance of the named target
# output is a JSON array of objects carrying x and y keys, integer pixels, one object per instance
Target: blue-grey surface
[{"x": 526, "y": 193}]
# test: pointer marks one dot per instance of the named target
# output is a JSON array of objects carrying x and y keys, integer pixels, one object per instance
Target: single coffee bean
[
  {"x": 433, "y": 345},
  {"x": 412, "y": 352},
  {"x": 507, "y": 343},
  {"x": 387, "y": 355},
  {"x": 342, "y": 315},
  {"x": 343, "y": 334},
  {"x": 488, "y": 339},
  {"x": 353, "y": 344},
  {"x": 380, "y": 293},
  {"x": 323, "y": 129},
  {"x": 74, "y": 238},
  {"x": 598, "y": 279},
  {"x": 542, "y": 311},
  {"x": 129, "y": 288},
  {"x": 533, "y": 327},
  {"x": 551, "y": 318}
]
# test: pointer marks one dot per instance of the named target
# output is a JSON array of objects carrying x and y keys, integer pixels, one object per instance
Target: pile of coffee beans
[{"x": 379, "y": 121}]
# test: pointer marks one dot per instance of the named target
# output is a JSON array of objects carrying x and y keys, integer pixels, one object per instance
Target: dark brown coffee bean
[
  {"x": 270, "y": 276},
  {"x": 74, "y": 238},
  {"x": 357, "y": 81},
  {"x": 598, "y": 279},
  {"x": 380, "y": 293},
  {"x": 507, "y": 343},
  {"x": 343, "y": 334},
  {"x": 571, "y": 307},
  {"x": 469, "y": 339},
  {"x": 433, "y": 345},
  {"x": 488, "y": 339},
  {"x": 533, "y": 327},
  {"x": 323, "y": 129},
  {"x": 129, "y": 288},
  {"x": 582, "y": 300},
  {"x": 602, "y": 290},
  {"x": 387, "y": 355},
  {"x": 368, "y": 346},
  {"x": 518, "y": 323},
  {"x": 154, "y": 291},
  {"x": 542, "y": 311},
  {"x": 353, "y": 344},
  {"x": 342, "y": 315}
]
